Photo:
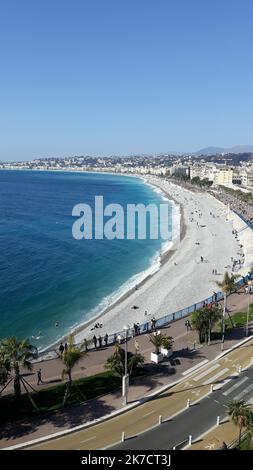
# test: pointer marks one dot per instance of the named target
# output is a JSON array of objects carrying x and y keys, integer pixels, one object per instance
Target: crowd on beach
[{"x": 243, "y": 208}]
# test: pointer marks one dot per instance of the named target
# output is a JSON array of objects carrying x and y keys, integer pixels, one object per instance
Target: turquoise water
[{"x": 46, "y": 276}]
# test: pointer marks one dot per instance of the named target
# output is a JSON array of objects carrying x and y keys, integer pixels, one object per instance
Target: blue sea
[{"x": 46, "y": 276}]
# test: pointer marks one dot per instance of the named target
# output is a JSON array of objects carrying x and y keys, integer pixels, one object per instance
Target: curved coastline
[
  {"x": 183, "y": 280},
  {"x": 157, "y": 262}
]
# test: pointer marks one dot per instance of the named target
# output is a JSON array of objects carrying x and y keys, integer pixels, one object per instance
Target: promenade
[{"x": 157, "y": 376}]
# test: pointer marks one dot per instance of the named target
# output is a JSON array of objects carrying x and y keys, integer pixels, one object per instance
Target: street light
[
  {"x": 125, "y": 378},
  {"x": 248, "y": 292}
]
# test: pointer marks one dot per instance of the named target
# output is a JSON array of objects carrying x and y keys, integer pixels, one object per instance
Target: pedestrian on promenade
[
  {"x": 135, "y": 329},
  {"x": 65, "y": 346},
  {"x": 114, "y": 338},
  {"x": 153, "y": 323},
  {"x": 106, "y": 339},
  {"x": 95, "y": 341},
  {"x": 61, "y": 349},
  {"x": 137, "y": 346},
  {"x": 39, "y": 381},
  {"x": 99, "y": 341}
]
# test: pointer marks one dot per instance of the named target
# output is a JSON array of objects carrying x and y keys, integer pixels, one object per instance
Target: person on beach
[
  {"x": 99, "y": 341},
  {"x": 39, "y": 378},
  {"x": 106, "y": 339},
  {"x": 95, "y": 341},
  {"x": 61, "y": 349}
]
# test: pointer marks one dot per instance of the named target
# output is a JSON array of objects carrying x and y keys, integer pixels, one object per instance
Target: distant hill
[{"x": 215, "y": 150}]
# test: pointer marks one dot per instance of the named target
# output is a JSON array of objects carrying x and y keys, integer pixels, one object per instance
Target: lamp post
[
  {"x": 248, "y": 292},
  {"x": 223, "y": 319},
  {"x": 125, "y": 378}
]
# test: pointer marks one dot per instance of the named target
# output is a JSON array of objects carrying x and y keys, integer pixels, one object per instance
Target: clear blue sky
[{"x": 124, "y": 76}]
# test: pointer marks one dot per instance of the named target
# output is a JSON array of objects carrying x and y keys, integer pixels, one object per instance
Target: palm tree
[
  {"x": 71, "y": 356},
  {"x": 160, "y": 341},
  {"x": 241, "y": 416},
  {"x": 116, "y": 362},
  {"x": 227, "y": 285},
  {"x": 15, "y": 354},
  {"x": 203, "y": 320}
]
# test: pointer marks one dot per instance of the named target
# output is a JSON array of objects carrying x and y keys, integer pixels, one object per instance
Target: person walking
[
  {"x": 99, "y": 341},
  {"x": 65, "y": 346},
  {"x": 153, "y": 323},
  {"x": 61, "y": 349},
  {"x": 106, "y": 339},
  {"x": 95, "y": 341},
  {"x": 137, "y": 346},
  {"x": 39, "y": 378}
]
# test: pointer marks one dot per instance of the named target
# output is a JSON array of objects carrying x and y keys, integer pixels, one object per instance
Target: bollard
[
  {"x": 218, "y": 421},
  {"x": 211, "y": 388},
  {"x": 188, "y": 403},
  {"x": 190, "y": 440},
  {"x": 123, "y": 436},
  {"x": 160, "y": 419}
]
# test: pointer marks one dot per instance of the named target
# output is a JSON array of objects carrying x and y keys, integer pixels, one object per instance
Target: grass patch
[
  {"x": 50, "y": 399},
  {"x": 246, "y": 444}
]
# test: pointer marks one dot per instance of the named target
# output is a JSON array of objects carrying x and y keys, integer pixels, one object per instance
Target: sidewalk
[
  {"x": 94, "y": 362},
  {"x": 165, "y": 373}
]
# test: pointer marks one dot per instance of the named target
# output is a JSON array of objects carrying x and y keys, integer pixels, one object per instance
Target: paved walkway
[{"x": 165, "y": 373}]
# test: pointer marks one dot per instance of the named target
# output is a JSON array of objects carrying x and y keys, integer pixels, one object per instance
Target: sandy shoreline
[{"x": 182, "y": 279}]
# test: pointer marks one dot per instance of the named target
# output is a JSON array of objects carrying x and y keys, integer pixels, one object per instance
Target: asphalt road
[{"x": 195, "y": 420}]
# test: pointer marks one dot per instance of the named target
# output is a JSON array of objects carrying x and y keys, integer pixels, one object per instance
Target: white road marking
[
  {"x": 214, "y": 377},
  {"x": 147, "y": 414},
  {"x": 188, "y": 371},
  {"x": 200, "y": 376},
  {"x": 89, "y": 439},
  {"x": 235, "y": 386},
  {"x": 210, "y": 446},
  {"x": 244, "y": 392}
]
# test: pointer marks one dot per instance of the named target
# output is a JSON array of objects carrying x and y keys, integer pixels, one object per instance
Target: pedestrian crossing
[
  {"x": 216, "y": 376},
  {"x": 206, "y": 372},
  {"x": 244, "y": 392},
  {"x": 235, "y": 386}
]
